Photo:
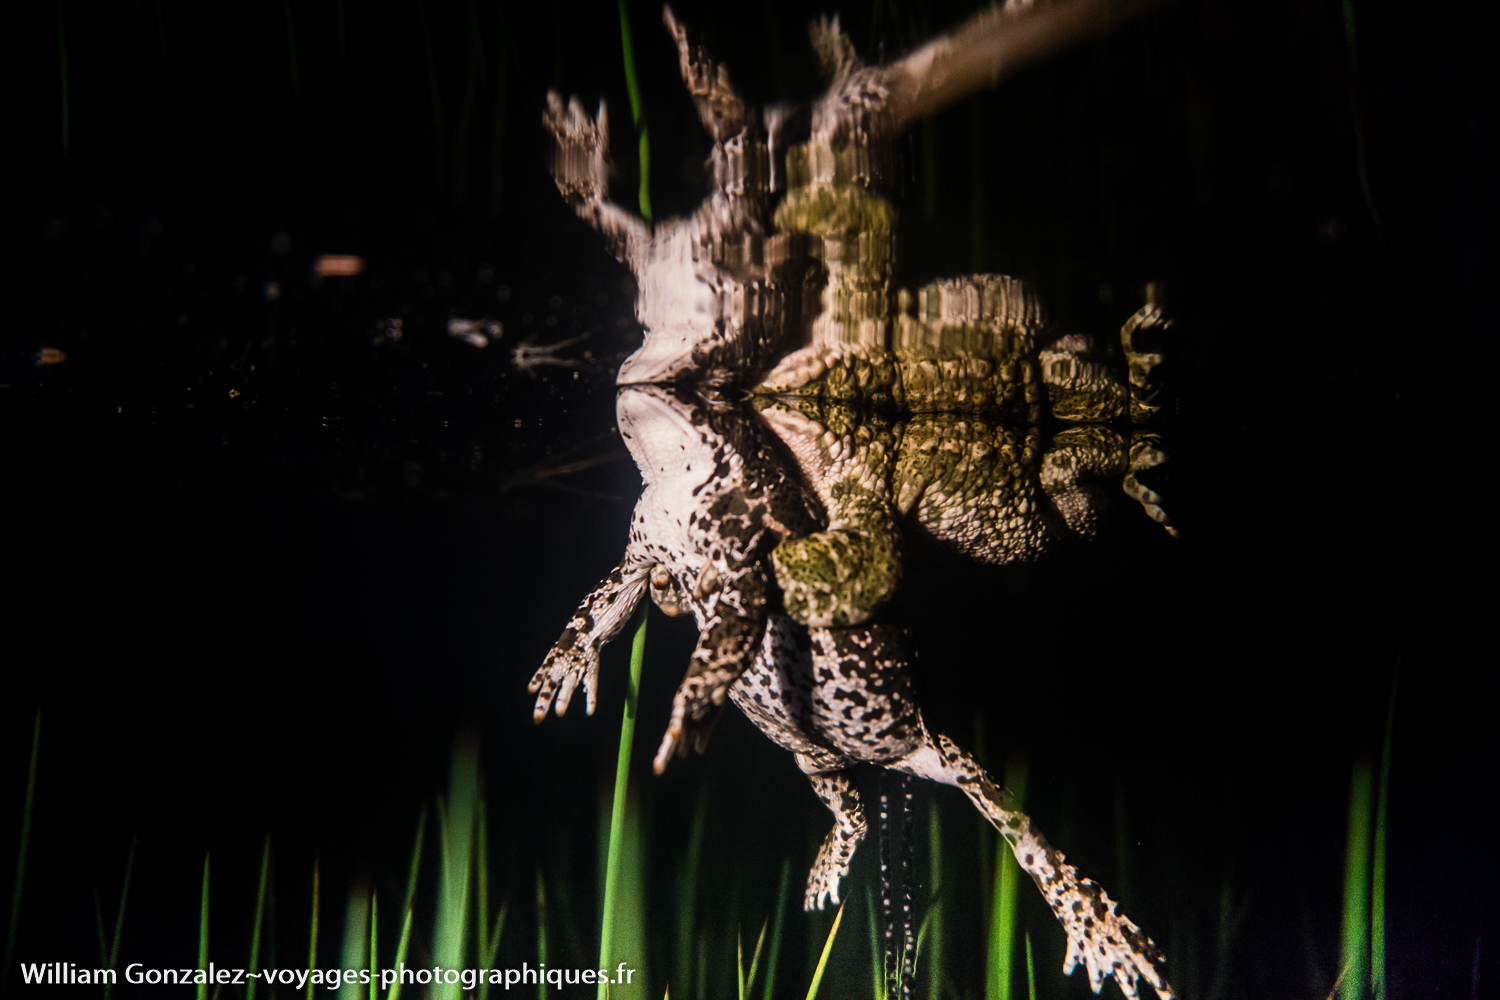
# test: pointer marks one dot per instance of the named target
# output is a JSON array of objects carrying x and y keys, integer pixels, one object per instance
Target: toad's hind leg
[
  {"x": 838, "y": 792},
  {"x": 1107, "y": 942},
  {"x": 1145, "y": 454},
  {"x": 1141, "y": 338}
]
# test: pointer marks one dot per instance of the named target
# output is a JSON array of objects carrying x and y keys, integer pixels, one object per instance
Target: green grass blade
[
  {"x": 374, "y": 918},
  {"x": 22, "y": 849},
  {"x": 312, "y": 937},
  {"x": 701, "y": 966},
  {"x": 109, "y": 954},
  {"x": 984, "y": 834},
  {"x": 617, "y": 832},
  {"x": 739, "y": 960},
  {"x": 456, "y": 827},
  {"x": 1000, "y": 967},
  {"x": 541, "y": 932},
  {"x": 260, "y": 912},
  {"x": 494, "y": 945},
  {"x": 481, "y": 869},
  {"x": 491, "y": 949},
  {"x": 877, "y": 953},
  {"x": 401, "y": 946},
  {"x": 934, "y": 915},
  {"x": 203, "y": 933},
  {"x": 687, "y": 894},
  {"x": 416, "y": 860},
  {"x": 411, "y": 893},
  {"x": 774, "y": 955},
  {"x": 99, "y": 923},
  {"x": 817, "y": 979},
  {"x": 645, "y": 158},
  {"x": 1356, "y": 937},
  {"x": 755, "y": 959},
  {"x": 1030, "y": 971},
  {"x": 482, "y": 886},
  {"x": 924, "y": 931},
  {"x": 356, "y": 933},
  {"x": 637, "y": 111},
  {"x": 1377, "y": 863}
]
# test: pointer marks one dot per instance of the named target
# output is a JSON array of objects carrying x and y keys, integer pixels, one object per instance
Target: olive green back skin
[{"x": 931, "y": 411}]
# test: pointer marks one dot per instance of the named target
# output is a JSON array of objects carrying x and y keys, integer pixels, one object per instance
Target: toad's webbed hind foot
[
  {"x": 1107, "y": 942},
  {"x": 840, "y": 795}
]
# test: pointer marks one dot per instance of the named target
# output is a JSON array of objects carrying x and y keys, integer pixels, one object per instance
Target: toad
[{"x": 792, "y": 417}]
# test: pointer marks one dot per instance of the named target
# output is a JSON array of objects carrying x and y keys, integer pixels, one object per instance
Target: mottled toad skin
[
  {"x": 792, "y": 417},
  {"x": 931, "y": 412},
  {"x": 833, "y": 696},
  {"x": 944, "y": 424}
]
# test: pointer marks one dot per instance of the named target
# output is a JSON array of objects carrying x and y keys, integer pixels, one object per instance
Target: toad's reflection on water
[
  {"x": 793, "y": 417},
  {"x": 941, "y": 429}
]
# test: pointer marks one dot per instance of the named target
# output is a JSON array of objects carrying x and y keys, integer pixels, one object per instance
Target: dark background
[{"x": 265, "y": 563}]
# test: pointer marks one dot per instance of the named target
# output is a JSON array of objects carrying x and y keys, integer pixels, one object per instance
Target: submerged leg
[
  {"x": 722, "y": 111},
  {"x": 1080, "y": 456},
  {"x": 1074, "y": 460},
  {"x": 1140, "y": 337},
  {"x": 1146, "y": 453},
  {"x": 839, "y": 576},
  {"x": 574, "y": 658},
  {"x": 838, "y": 793},
  {"x": 1107, "y": 942},
  {"x": 1080, "y": 382},
  {"x": 580, "y": 166}
]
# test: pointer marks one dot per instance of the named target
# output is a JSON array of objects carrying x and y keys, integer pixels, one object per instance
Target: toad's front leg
[
  {"x": 575, "y": 656},
  {"x": 580, "y": 166},
  {"x": 733, "y": 624},
  {"x": 839, "y": 576}
]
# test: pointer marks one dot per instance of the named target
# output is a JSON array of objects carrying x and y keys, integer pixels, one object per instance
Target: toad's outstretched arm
[
  {"x": 574, "y": 658},
  {"x": 580, "y": 166}
]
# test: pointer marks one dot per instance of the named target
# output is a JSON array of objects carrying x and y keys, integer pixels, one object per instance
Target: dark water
[{"x": 267, "y": 561}]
